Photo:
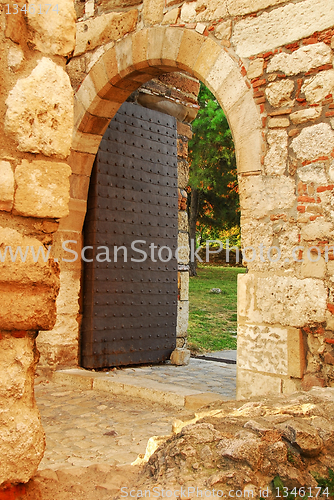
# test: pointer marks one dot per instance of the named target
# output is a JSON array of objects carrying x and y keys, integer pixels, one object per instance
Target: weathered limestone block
[
  {"x": 259, "y": 195},
  {"x": 52, "y": 33},
  {"x": 303, "y": 436},
  {"x": 182, "y": 318},
  {"x": 278, "y": 122},
  {"x": 295, "y": 21},
  {"x": 102, "y": 29},
  {"x": 318, "y": 229},
  {"x": 301, "y": 60},
  {"x": 313, "y": 173},
  {"x": 276, "y": 158},
  {"x": 270, "y": 349},
  {"x": 305, "y": 115},
  {"x": 15, "y": 57},
  {"x": 242, "y": 7},
  {"x": 250, "y": 384},
  {"x": 290, "y": 301},
  {"x": 313, "y": 269},
  {"x": 68, "y": 297},
  {"x": 22, "y": 440},
  {"x": 188, "y": 12},
  {"x": 171, "y": 16},
  {"x": 279, "y": 93},
  {"x": 183, "y": 248},
  {"x": 224, "y": 30},
  {"x": 180, "y": 357},
  {"x": 6, "y": 186},
  {"x": 24, "y": 271},
  {"x": 28, "y": 289},
  {"x": 317, "y": 87},
  {"x": 184, "y": 285},
  {"x": 40, "y": 111},
  {"x": 255, "y": 68},
  {"x": 209, "y": 10},
  {"x": 313, "y": 142},
  {"x": 153, "y": 11},
  {"x": 263, "y": 348},
  {"x": 183, "y": 221},
  {"x": 43, "y": 189},
  {"x": 283, "y": 300}
]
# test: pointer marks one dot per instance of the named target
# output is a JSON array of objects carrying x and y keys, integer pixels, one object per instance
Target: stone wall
[{"x": 269, "y": 63}]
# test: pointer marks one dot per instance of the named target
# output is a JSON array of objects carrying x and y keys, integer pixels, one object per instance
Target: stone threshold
[{"x": 116, "y": 383}]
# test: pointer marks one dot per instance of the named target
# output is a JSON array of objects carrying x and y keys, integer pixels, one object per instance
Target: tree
[{"x": 213, "y": 189}]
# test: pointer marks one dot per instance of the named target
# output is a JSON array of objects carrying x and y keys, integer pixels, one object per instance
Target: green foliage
[
  {"x": 324, "y": 482},
  {"x": 213, "y": 165}
]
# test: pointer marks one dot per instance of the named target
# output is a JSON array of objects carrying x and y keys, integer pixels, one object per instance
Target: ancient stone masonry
[{"x": 63, "y": 77}]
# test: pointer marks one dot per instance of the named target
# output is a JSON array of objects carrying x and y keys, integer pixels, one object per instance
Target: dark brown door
[{"x": 130, "y": 307}]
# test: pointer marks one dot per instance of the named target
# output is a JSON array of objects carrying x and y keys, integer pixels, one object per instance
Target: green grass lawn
[{"x": 213, "y": 317}]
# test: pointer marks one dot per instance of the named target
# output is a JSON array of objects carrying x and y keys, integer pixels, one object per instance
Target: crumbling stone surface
[{"x": 40, "y": 111}]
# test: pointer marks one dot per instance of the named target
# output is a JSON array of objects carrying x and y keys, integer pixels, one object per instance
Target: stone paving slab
[{"x": 163, "y": 383}]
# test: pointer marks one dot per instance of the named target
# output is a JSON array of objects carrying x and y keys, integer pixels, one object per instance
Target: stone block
[
  {"x": 206, "y": 59},
  {"x": 153, "y": 11},
  {"x": 296, "y": 353},
  {"x": 182, "y": 318},
  {"x": 22, "y": 269},
  {"x": 183, "y": 221},
  {"x": 253, "y": 35},
  {"x": 180, "y": 357},
  {"x": 263, "y": 349},
  {"x": 43, "y": 189},
  {"x": 255, "y": 68},
  {"x": 313, "y": 269},
  {"x": 313, "y": 173},
  {"x": 242, "y": 7},
  {"x": 183, "y": 248},
  {"x": 255, "y": 384},
  {"x": 6, "y": 186},
  {"x": 259, "y": 195},
  {"x": 188, "y": 13},
  {"x": 290, "y": 301},
  {"x": 171, "y": 46},
  {"x": 319, "y": 229},
  {"x": 190, "y": 46},
  {"x": 290, "y": 386},
  {"x": 305, "y": 115},
  {"x": 184, "y": 286},
  {"x": 279, "y": 93},
  {"x": 68, "y": 297},
  {"x": 278, "y": 122},
  {"x": 224, "y": 30},
  {"x": 86, "y": 143},
  {"x": 27, "y": 308},
  {"x": 81, "y": 163},
  {"x": 220, "y": 70},
  {"x": 95, "y": 32},
  {"x": 52, "y": 33},
  {"x": 74, "y": 221},
  {"x": 317, "y": 87},
  {"x": 276, "y": 158},
  {"x": 211, "y": 10},
  {"x": 23, "y": 441},
  {"x": 301, "y": 60},
  {"x": 313, "y": 142},
  {"x": 40, "y": 111},
  {"x": 15, "y": 58},
  {"x": 171, "y": 16},
  {"x": 79, "y": 185}
]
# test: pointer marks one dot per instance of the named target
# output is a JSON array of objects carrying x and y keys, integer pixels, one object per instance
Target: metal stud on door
[{"x": 130, "y": 303}]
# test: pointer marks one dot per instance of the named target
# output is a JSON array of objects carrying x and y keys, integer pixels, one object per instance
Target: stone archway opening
[{"x": 114, "y": 77}]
